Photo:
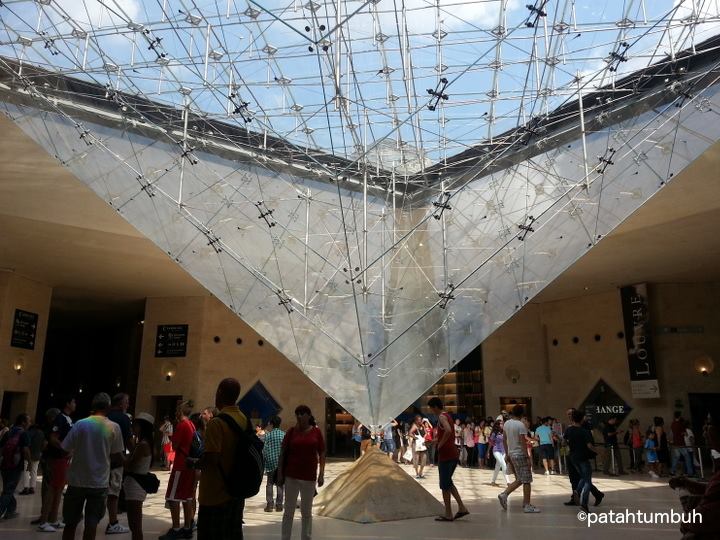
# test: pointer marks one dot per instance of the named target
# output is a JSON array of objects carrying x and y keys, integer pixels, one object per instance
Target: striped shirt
[{"x": 271, "y": 450}]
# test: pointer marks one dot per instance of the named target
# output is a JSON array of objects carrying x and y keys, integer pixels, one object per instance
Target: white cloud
[
  {"x": 94, "y": 14},
  {"x": 422, "y": 15}
]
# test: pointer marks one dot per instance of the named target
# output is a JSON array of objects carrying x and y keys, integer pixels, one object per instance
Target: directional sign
[
  {"x": 24, "y": 329},
  {"x": 171, "y": 340},
  {"x": 645, "y": 389}
]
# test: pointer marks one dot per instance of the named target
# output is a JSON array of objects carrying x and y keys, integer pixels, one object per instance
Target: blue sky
[{"x": 389, "y": 56}]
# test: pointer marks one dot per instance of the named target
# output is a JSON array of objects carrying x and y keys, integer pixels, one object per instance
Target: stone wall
[
  {"x": 214, "y": 353},
  {"x": 559, "y": 376},
  {"x": 17, "y": 292}
]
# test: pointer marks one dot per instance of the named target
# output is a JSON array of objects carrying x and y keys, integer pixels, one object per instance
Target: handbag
[
  {"x": 408, "y": 455},
  {"x": 149, "y": 482},
  {"x": 420, "y": 444}
]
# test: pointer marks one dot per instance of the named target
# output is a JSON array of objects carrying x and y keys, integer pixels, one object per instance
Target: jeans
[
  {"x": 269, "y": 491},
  {"x": 500, "y": 465},
  {"x": 585, "y": 484},
  {"x": 10, "y": 482},
  {"x": 687, "y": 456},
  {"x": 306, "y": 490},
  {"x": 575, "y": 478}
]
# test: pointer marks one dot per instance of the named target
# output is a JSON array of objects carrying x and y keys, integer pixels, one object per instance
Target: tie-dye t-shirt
[{"x": 91, "y": 441}]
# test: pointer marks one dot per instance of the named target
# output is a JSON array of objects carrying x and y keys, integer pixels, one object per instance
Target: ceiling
[
  {"x": 56, "y": 231},
  {"x": 402, "y": 85}
]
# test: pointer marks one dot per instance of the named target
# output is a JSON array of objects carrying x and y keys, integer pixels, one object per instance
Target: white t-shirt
[
  {"x": 91, "y": 441},
  {"x": 513, "y": 429}
]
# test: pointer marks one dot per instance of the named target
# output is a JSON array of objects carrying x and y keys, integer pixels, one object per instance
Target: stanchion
[
  {"x": 612, "y": 458},
  {"x": 702, "y": 472}
]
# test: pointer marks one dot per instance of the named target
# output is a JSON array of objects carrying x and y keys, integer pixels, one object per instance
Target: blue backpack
[{"x": 197, "y": 449}]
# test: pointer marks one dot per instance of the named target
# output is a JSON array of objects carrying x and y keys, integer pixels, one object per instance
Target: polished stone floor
[{"x": 486, "y": 521}]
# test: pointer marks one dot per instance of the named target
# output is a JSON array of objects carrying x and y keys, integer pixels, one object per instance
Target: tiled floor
[{"x": 486, "y": 521}]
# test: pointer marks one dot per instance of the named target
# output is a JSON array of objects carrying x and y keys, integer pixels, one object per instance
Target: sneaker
[
  {"x": 503, "y": 500},
  {"x": 31, "y": 491},
  {"x": 11, "y": 515},
  {"x": 37, "y": 521},
  {"x": 269, "y": 507},
  {"x": 530, "y": 509},
  {"x": 186, "y": 533},
  {"x": 25, "y": 491},
  {"x": 279, "y": 507},
  {"x": 116, "y": 528},
  {"x": 547, "y": 473},
  {"x": 653, "y": 475},
  {"x": 172, "y": 534},
  {"x": 571, "y": 502},
  {"x": 46, "y": 527},
  {"x": 61, "y": 525},
  {"x": 193, "y": 524},
  {"x": 3, "y": 512},
  {"x": 599, "y": 499}
]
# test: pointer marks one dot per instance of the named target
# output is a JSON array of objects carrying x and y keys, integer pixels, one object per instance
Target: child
[{"x": 651, "y": 454}]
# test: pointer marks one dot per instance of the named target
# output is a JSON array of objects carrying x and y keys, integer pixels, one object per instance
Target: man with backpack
[
  {"x": 221, "y": 504},
  {"x": 15, "y": 445}
]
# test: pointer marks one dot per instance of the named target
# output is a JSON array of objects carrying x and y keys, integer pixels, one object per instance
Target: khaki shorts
[{"x": 116, "y": 480}]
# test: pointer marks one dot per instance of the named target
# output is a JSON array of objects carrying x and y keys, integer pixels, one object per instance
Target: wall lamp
[
  {"x": 169, "y": 370},
  {"x": 704, "y": 365}
]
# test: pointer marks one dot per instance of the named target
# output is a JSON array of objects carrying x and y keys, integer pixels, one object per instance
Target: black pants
[
  {"x": 574, "y": 475},
  {"x": 221, "y": 522}
]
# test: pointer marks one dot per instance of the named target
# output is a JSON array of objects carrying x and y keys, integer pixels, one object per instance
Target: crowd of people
[
  {"x": 212, "y": 454},
  {"x": 87, "y": 464}
]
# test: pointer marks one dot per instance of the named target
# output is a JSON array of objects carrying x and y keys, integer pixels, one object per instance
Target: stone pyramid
[{"x": 376, "y": 489}]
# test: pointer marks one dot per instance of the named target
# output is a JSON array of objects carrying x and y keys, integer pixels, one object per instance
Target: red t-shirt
[
  {"x": 301, "y": 453},
  {"x": 678, "y": 432},
  {"x": 182, "y": 439},
  {"x": 448, "y": 451}
]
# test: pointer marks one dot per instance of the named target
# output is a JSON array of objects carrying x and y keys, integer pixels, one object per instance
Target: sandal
[
  {"x": 443, "y": 518},
  {"x": 459, "y": 515}
]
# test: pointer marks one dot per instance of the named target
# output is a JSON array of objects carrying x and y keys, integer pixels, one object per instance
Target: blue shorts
[
  {"x": 387, "y": 446},
  {"x": 446, "y": 470}
]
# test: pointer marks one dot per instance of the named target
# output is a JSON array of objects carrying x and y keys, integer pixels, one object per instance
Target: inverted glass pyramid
[{"x": 379, "y": 231}]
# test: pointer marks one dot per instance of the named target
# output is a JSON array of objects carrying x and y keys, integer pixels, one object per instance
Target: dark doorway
[
  {"x": 338, "y": 426},
  {"x": 163, "y": 406},
  {"x": 88, "y": 352},
  {"x": 13, "y": 403},
  {"x": 700, "y": 406}
]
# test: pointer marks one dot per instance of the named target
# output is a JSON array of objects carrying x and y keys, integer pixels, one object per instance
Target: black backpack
[{"x": 243, "y": 480}]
